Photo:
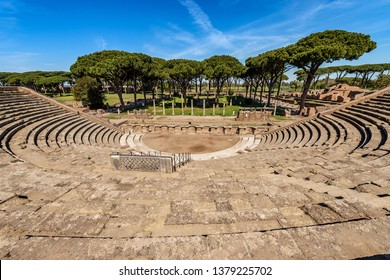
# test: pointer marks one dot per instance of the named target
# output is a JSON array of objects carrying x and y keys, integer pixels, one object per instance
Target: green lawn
[
  {"x": 280, "y": 118},
  {"x": 64, "y": 98},
  {"x": 112, "y": 99}
]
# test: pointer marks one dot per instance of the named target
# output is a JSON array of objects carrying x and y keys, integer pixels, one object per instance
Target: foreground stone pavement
[{"x": 252, "y": 206}]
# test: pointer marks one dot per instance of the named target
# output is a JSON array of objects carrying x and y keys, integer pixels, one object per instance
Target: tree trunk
[
  {"x": 184, "y": 94},
  {"x": 144, "y": 93},
  {"x": 270, "y": 90},
  {"x": 200, "y": 87},
  {"x": 327, "y": 81},
  {"x": 120, "y": 95},
  {"x": 369, "y": 79},
  {"x": 278, "y": 92},
  {"x": 170, "y": 88},
  {"x": 154, "y": 91},
  {"x": 355, "y": 79},
  {"x": 306, "y": 88},
  {"x": 362, "y": 81},
  {"x": 218, "y": 88},
  {"x": 162, "y": 88},
  {"x": 135, "y": 92},
  {"x": 63, "y": 88},
  {"x": 255, "y": 91},
  {"x": 261, "y": 92},
  {"x": 316, "y": 79}
]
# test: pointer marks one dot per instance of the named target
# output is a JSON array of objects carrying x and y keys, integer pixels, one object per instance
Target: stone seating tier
[
  {"x": 361, "y": 127},
  {"x": 314, "y": 202},
  {"x": 29, "y": 119}
]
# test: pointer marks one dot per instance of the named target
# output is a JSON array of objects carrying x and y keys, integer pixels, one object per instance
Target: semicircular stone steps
[
  {"x": 360, "y": 128},
  {"x": 32, "y": 122}
]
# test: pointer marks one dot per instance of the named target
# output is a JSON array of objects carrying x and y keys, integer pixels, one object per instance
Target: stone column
[
  {"x": 173, "y": 107},
  {"x": 213, "y": 109},
  {"x": 163, "y": 107},
  {"x": 204, "y": 107},
  {"x": 223, "y": 110},
  {"x": 192, "y": 107},
  {"x": 154, "y": 106}
]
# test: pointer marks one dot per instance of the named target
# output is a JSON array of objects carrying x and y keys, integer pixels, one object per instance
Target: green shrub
[{"x": 88, "y": 90}]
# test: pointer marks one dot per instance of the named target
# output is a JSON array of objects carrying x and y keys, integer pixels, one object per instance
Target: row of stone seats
[
  {"x": 362, "y": 127},
  {"x": 28, "y": 121},
  {"x": 376, "y": 123},
  {"x": 9, "y": 126},
  {"x": 322, "y": 131}
]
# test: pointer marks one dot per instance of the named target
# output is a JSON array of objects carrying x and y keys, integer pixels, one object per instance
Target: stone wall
[
  {"x": 8, "y": 89},
  {"x": 254, "y": 115},
  {"x": 195, "y": 129}
]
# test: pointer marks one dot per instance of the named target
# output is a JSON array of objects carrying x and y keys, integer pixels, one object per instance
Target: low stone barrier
[
  {"x": 151, "y": 162},
  {"x": 195, "y": 129}
]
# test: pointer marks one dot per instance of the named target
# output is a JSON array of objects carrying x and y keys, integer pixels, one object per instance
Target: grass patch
[
  {"x": 64, "y": 98},
  {"x": 111, "y": 98},
  {"x": 281, "y": 118},
  {"x": 114, "y": 116}
]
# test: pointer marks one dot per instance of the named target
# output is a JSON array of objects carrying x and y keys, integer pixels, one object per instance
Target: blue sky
[{"x": 50, "y": 35}]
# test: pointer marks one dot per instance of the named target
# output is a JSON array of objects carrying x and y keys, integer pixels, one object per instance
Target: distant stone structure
[
  {"x": 311, "y": 111},
  {"x": 338, "y": 93},
  {"x": 254, "y": 114},
  {"x": 195, "y": 129},
  {"x": 342, "y": 93},
  {"x": 287, "y": 112},
  {"x": 140, "y": 114}
]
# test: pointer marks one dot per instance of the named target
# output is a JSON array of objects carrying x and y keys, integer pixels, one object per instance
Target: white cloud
[
  {"x": 8, "y": 6},
  {"x": 8, "y": 22},
  {"x": 176, "y": 33},
  {"x": 228, "y": 3},
  {"x": 8, "y": 9},
  {"x": 101, "y": 44},
  {"x": 174, "y": 42},
  {"x": 294, "y": 20},
  {"x": 198, "y": 15},
  {"x": 215, "y": 36},
  {"x": 18, "y": 61}
]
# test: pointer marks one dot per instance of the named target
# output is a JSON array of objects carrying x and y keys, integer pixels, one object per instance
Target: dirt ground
[{"x": 194, "y": 143}]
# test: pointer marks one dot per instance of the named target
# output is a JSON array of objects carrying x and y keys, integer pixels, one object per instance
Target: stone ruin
[
  {"x": 254, "y": 114},
  {"x": 338, "y": 93},
  {"x": 342, "y": 93},
  {"x": 318, "y": 188},
  {"x": 309, "y": 111},
  {"x": 139, "y": 114}
]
